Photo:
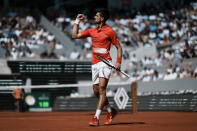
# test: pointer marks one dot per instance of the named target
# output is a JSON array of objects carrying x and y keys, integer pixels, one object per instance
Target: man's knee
[
  {"x": 102, "y": 90},
  {"x": 96, "y": 90}
]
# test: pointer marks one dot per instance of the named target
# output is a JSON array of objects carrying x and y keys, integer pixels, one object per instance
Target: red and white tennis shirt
[{"x": 101, "y": 41}]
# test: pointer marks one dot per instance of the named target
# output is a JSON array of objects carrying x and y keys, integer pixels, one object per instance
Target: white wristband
[{"x": 77, "y": 21}]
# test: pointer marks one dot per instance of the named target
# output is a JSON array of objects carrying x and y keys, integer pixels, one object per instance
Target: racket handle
[{"x": 127, "y": 75}]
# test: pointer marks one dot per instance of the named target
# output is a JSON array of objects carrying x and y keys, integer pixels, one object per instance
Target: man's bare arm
[
  {"x": 75, "y": 30},
  {"x": 119, "y": 55}
]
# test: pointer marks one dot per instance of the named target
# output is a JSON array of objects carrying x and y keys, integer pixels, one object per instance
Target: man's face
[{"x": 98, "y": 18}]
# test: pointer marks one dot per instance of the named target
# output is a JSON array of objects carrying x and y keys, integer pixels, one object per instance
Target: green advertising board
[{"x": 37, "y": 101}]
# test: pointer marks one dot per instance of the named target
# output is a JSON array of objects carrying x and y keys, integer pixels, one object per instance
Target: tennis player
[{"x": 102, "y": 38}]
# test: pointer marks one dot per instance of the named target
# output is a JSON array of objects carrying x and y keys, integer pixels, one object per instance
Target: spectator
[
  {"x": 166, "y": 76},
  {"x": 170, "y": 69},
  {"x": 74, "y": 94},
  {"x": 182, "y": 73},
  {"x": 19, "y": 96},
  {"x": 155, "y": 76},
  {"x": 195, "y": 73},
  {"x": 44, "y": 55},
  {"x": 170, "y": 55},
  {"x": 53, "y": 55},
  {"x": 135, "y": 76},
  {"x": 133, "y": 60},
  {"x": 63, "y": 57},
  {"x": 74, "y": 55},
  {"x": 146, "y": 74},
  {"x": 158, "y": 60}
]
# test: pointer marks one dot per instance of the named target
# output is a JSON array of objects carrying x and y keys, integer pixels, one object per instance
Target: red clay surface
[{"x": 78, "y": 121}]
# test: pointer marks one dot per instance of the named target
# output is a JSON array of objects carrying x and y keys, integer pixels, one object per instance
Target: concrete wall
[
  {"x": 4, "y": 69},
  {"x": 2, "y": 52},
  {"x": 166, "y": 86}
]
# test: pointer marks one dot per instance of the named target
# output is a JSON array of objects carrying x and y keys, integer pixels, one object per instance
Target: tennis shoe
[
  {"x": 94, "y": 122},
  {"x": 110, "y": 116}
]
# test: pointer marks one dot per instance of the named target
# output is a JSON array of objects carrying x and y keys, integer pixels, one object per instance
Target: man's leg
[
  {"x": 102, "y": 93},
  {"x": 97, "y": 94},
  {"x": 103, "y": 101},
  {"x": 96, "y": 90},
  {"x": 100, "y": 76}
]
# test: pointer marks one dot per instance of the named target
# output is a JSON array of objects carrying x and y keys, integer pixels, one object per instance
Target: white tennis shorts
[{"x": 100, "y": 69}]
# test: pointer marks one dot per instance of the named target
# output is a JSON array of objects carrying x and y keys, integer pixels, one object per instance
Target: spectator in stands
[
  {"x": 184, "y": 54},
  {"x": 18, "y": 94},
  {"x": 177, "y": 68},
  {"x": 189, "y": 73},
  {"x": 125, "y": 55},
  {"x": 133, "y": 60},
  {"x": 192, "y": 51},
  {"x": 14, "y": 53},
  {"x": 135, "y": 75},
  {"x": 170, "y": 55},
  {"x": 53, "y": 55},
  {"x": 155, "y": 76},
  {"x": 170, "y": 68},
  {"x": 74, "y": 94},
  {"x": 195, "y": 73},
  {"x": 146, "y": 74},
  {"x": 88, "y": 55},
  {"x": 44, "y": 54},
  {"x": 50, "y": 37},
  {"x": 171, "y": 75},
  {"x": 166, "y": 76},
  {"x": 30, "y": 54},
  {"x": 182, "y": 73},
  {"x": 174, "y": 75},
  {"x": 74, "y": 55},
  {"x": 63, "y": 57},
  {"x": 165, "y": 40},
  {"x": 145, "y": 61},
  {"x": 177, "y": 55},
  {"x": 158, "y": 60}
]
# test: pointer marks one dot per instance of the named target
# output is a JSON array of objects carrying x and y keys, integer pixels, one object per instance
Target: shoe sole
[
  {"x": 108, "y": 123},
  {"x": 115, "y": 114},
  {"x": 93, "y": 125}
]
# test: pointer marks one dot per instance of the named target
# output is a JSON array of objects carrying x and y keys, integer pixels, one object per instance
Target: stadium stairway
[
  {"x": 4, "y": 69},
  {"x": 59, "y": 36},
  {"x": 2, "y": 52}
]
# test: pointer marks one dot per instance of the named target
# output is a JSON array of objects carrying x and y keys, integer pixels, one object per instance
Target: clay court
[{"x": 78, "y": 121}]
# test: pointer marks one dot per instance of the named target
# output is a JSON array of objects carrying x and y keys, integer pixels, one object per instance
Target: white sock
[
  {"x": 98, "y": 112},
  {"x": 108, "y": 108}
]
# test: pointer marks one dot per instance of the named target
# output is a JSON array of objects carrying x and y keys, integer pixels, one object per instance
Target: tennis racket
[{"x": 111, "y": 65}]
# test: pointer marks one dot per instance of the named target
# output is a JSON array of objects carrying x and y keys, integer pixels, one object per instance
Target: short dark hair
[{"x": 104, "y": 13}]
